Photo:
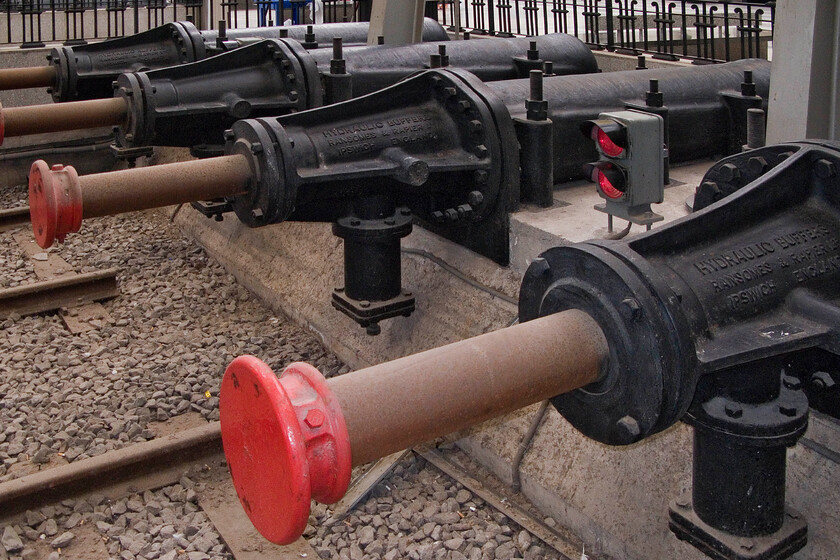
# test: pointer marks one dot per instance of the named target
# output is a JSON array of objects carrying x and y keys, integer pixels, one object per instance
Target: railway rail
[{"x": 197, "y": 453}]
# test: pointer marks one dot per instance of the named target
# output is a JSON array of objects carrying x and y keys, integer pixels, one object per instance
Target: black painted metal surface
[
  {"x": 353, "y": 33},
  {"x": 86, "y": 71},
  {"x": 713, "y": 318},
  {"x": 193, "y": 104},
  {"x": 441, "y": 142},
  {"x": 701, "y": 118},
  {"x": 431, "y": 144},
  {"x": 376, "y": 67},
  {"x": 751, "y": 277}
]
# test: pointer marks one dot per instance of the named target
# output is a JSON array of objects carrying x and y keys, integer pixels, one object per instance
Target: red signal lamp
[
  {"x": 629, "y": 172},
  {"x": 609, "y": 178},
  {"x": 610, "y": 135}
]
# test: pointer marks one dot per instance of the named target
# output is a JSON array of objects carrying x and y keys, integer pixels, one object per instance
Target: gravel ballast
[{"x": 160, "y": 355}]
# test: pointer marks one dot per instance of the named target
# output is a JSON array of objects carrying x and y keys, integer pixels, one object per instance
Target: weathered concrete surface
[
  {"x": 613, "y": 62},
  {"x": 616, "y": 498},
  {"x": 296, "y": 266}
]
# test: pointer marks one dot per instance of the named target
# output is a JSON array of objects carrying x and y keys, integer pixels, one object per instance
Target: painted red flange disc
[
  {"x": 55, "y": 202},
  {"x": 285, "y": 441}
]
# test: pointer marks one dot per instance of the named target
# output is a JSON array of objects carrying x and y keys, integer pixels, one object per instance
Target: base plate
[
  {"x": 717, "y": 544},
  {"x": 369, "y": 313}
]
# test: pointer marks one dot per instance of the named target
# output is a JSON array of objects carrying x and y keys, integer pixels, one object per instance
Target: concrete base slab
[{"x": 614, "y": 499}]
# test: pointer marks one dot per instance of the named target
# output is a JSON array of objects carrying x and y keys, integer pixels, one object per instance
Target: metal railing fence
[
  {"x": 703, "y": 31},
  {"x": 700, "y": 30},
  {"x": 31, "y": 23}
]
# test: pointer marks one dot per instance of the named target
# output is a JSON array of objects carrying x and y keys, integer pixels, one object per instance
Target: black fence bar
[
  {"x": 667, "y": 29},
  {"x": 30, "y": 23}
]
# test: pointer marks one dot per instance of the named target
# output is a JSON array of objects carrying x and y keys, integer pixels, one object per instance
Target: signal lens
[
  {"x": 609, "y": 147},
  {"x": 607, "y": 187}
]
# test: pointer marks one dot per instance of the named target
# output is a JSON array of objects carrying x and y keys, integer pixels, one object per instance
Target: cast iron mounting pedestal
[
  {"x": 741, "y": 432},
  {"x": 372, "y": 273}
]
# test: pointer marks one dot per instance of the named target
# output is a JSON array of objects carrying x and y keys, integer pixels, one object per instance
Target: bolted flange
[
  {"x": 55, "y": 202},
  {"x": 286, "y": 442}
]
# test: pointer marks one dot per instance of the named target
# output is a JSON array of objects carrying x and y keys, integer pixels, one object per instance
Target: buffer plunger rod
[
  {"x": 58, "y": 117},
  {"x": 296, "y": 437},
  {"x": 23, "y": 78},
  {"x": 398, "y": 404},
  {"x": 59, "y": 198}
]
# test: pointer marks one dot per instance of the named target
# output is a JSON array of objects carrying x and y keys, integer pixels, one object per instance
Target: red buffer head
[
  {"x": 55, "y": 202},
  {"x": 286, "y": 443}
]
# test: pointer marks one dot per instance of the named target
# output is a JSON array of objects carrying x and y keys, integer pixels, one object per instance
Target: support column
[
  {"x": 806, "y": 71},
  {"x": 399, "y": 21}
]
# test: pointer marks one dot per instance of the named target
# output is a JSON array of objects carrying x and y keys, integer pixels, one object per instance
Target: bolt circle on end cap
[
  {"x": 285, "y": 441},
  {"x": 635, "y": 396},
  {"x": 55, "y": 202}
]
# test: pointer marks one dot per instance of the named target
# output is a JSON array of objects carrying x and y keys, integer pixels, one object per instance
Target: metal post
[{"x": 610, "y": 26}]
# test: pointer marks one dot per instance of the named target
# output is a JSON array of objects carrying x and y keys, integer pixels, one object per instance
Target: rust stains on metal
[
  {"x": 153, "y": 187},
  {"x": 397, "y": 404},
  {"x": 12, "y": 218},
  {"x": 56, "y": 117},
  {"x": 23, "y": 78}
]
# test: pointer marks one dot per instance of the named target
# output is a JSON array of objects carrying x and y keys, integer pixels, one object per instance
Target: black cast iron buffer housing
[
  {"x": 439, "y": 147},
  {"x": 820, "y": 373},
  {"x": 191, "y": 105},
  {"x": 86, "y": 71},
  {"x": 379, "y": 160},
  {"x": 732, "y": 300}
]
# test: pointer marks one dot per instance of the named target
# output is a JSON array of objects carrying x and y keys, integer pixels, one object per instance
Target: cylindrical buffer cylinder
[
  {"x": 353, "y": 33},
  {"x": 294, "y": 438},
  {"x": 372, "y": 288},
  {"x": 372, "y": 268},
  {"x": 372, "y": 255},
  {"x": 740, "y": 439},
  {"x": 700, "y": 117},
  {"x": 494, "y": 60}
]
